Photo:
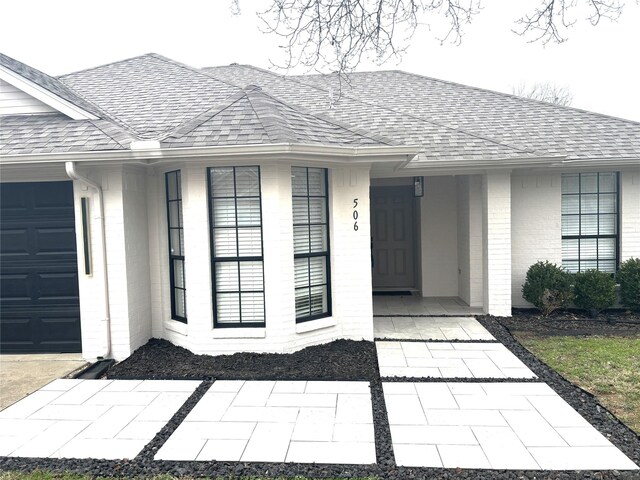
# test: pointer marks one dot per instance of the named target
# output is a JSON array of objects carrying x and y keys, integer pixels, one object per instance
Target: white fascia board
[
  {"x": 151, "y": 156},
  {"x": 44, "y": 95},
  {"x": 475, "y": 164},
  {"x": 604, "y": 162}
]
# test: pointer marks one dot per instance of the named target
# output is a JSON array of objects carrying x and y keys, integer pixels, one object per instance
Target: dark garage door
[{"x": 39, "y": 304}]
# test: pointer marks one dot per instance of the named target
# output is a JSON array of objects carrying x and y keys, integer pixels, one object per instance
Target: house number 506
[{"x": 355, "y": 214}]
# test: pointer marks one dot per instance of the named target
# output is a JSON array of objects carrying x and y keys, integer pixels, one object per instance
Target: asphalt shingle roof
[
  {"x": 56, "y": 133},
  {"x": 152, "y": 97},
  {"x": 253, "y": 117},
  {"x": 451, "y": 120}
]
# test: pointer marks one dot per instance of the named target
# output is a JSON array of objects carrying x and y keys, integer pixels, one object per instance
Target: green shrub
[
  {"x": 594, "y": 290},
  {"x": 629, "y": 279},
  {"x": 547, "y": 286}
]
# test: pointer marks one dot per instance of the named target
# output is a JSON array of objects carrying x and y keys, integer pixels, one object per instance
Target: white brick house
[{"x": 231, "y": 209}]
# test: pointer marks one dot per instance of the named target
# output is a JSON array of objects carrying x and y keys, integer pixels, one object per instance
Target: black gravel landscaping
[{"x": 339, "y": 360}]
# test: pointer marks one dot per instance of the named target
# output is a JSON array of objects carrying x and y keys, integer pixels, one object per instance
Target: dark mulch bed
[
  {"x": 609, "y": 323},
  {"x": 339, "y": 360},
  {"x": 342, "y": 360}
]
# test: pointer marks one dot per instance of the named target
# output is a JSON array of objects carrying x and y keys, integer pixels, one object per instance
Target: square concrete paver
[
  {"x": 493, "y": 425},
  {"x": 111, "y": 419},
  {"x": 273, "y": 421},
  {"x": 449, "y": 360},
  {"x": 429, "y": 328}
]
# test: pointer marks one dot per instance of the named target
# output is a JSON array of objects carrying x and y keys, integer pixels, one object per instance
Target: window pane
[
  {"x": 318, "y": 300},
  {"x": 302, "y": 303},
  {"x": 570, "y": 204},
  {"x": 251, "y": 277},
  {"x": 175, "y": 236},
  {"x": 301, "y": 269},
  {"x": 250, "y": 242},
  {"x": 172, "y": 186},
  {"x": 606, "y": 248},
  {"x": 608, "y": 266},
  {"x": 607, "y": 182},
  {"x": 252, "y": 307},
  {"x": 588, "y": 265},
  {"x": 589, "y": 204},
  {"x": 222, "y": 182},
  {"x": 589, "y": 225},
  {"x": 227, "y": 277},
  {"x": 318, "y": 270},
  {"x": 317, "y": 210},
  {"x": 178, "y": 273},
  {"x": 588, "y": 249},
  {"x": 608, "y": 203},
  {"x": 300, "y": 210},
  {"x": 224, "y": 242},
  {"x": 570, "y": 183},
  {"x": 174, "y": 214},
  {"x": 589, "y": 182},
  {"x": 224, "y": 212},
  {"x": 570, "y": 266},
  {"x": 301, "y": 239},
  {"x": 318, "y": 238},
  {"x": 299, "y": 181},
  {"x": 228, "y": 307},
  {"x": 181, "y": 303},
  {"x": 608, "y": 224},
  {"x": 247, "y": 182},
  {"x": 316, "y": 182},
  {"x": 248, "y": 212},
  {"x": 570, "y": 249},
  {"x": 571, "y": 225}
]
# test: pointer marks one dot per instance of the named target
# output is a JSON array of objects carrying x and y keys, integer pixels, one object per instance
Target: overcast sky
[{"x": 599, "y": 65}]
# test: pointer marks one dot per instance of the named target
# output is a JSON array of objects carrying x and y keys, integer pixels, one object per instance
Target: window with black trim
[
  {"x": 311, "y": 243},
  {"x": 590, "y": 221},
  {"x": 176, "y": 246},
  {"x": 236, "y": 246}
]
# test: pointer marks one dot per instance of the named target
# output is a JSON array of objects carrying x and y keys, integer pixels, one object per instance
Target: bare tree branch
[
  {"x": 338, "y": 34},
  {"x": 546, "y": 92}
]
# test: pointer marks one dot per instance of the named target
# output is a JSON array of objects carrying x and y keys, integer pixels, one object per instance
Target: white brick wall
[
  {"x": 536, "y": 233},
  {"x": 496, "y": 229},
  {"x": 630, "y": 214}
]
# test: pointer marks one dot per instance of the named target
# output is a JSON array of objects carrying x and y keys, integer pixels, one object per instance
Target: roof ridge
[
  {"x": 269, "y": 117},
  {"x": 511, "y": 95},
  {"x": 116, "y": 62},
  {"x": 120, "y": 135},
  {"x": 194, "y": 122},
  {"x": 459, "y": 130},
  {"x": 188, "y": 67}
]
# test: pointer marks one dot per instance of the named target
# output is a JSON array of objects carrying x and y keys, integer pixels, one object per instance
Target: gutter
[{"x": 74, "y": 175}]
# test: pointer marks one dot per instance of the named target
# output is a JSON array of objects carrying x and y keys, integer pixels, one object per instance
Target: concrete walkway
[
  {"x": 506, "y": 425},
  {"x": 21, "y": 375}
]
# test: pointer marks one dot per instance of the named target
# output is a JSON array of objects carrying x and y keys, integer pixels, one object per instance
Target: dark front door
[
  {"x": 393, "y": 238},
  {"x": 39, "y": 301}
]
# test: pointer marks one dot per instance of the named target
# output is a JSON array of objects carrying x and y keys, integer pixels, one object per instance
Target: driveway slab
[
  {"x": 266, "y": 421},
  {"x": 449, "y": 360},
  {"x": 501, "y": 426},
  {"x": 109, "y": 419}
]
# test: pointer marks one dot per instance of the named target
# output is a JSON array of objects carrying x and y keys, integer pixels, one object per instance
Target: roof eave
[
  {"x": 329, "y": 154},
  {"x": 45, "y": 96}
]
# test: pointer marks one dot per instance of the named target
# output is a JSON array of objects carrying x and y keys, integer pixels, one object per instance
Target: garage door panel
[{"x": 39, "y": 299}]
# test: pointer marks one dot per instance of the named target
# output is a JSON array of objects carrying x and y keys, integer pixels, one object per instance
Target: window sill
[
  {"x": 176, "y": 327},
  {"x": 239, "y": 333},
  {"x": 318, "y": 324}
]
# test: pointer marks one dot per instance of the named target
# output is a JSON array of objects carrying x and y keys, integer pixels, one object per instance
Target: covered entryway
[
  {"x": 393, "y": 238},
  {"x": 39, "y": 301}
]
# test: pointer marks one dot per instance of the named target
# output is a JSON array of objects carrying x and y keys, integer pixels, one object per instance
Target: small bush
[
  {"x": 594, "y": 290},
  {"x": 629, "y": 279},
  {"x": 547, "y": 286}
]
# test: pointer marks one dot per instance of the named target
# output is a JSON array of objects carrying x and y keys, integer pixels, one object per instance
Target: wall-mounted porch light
[{"x": 418, "y": 186}]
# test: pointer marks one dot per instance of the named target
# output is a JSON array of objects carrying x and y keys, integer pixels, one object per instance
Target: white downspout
[{"x": 73, "y": 175}]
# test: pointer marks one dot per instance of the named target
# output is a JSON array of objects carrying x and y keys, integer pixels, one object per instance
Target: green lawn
[{"x": 608, "y": 367}]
